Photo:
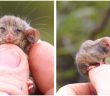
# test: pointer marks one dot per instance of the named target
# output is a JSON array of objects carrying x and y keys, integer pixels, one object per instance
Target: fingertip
[
  {"x": 41, "y": 60},
  {"x": 100, "y": 79}
]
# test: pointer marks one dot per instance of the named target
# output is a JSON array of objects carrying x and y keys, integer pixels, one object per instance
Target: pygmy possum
[
  {"x": 92, "y": 54},
  {"x": 17, "y": 31}
]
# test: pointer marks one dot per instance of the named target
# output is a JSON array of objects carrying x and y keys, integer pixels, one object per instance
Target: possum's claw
[{"x": 30, "y": 86}]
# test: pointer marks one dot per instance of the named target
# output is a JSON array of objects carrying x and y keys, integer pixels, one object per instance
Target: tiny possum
[
  {"x": 17, "y": 31},
  {"x": 14, "y": 30},
  {"x": 92, "y": 53}
]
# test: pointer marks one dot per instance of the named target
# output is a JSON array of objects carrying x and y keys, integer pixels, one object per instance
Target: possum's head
[
  {"x": 16, "y": 31},
  {"x": 104, "y": 43}
]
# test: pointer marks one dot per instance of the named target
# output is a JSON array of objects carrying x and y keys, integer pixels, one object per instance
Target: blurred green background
[
  {"x": 40, "y": 14},
  {"x": 78, "y": 21}
]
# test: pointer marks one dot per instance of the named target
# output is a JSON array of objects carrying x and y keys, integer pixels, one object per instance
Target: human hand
[
  {"x": 41, "y": 62},
  {"x": 100, "y": 83},
  {"x": 43, "y": 71},
  {"x": 14, "y": 70}
]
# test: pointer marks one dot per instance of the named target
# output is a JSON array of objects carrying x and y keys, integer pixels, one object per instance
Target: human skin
[
  {"x": 76, "y": 89},
  {"x": 41, "y": 58},
  {"x": 100, "y": 83},
  {"x": 41, "y": 61},
  {"x": 14, "y": 70},
  {"x": 100, "y": 79}
]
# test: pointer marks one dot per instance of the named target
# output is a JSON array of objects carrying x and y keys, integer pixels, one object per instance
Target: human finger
[
  {"x": 76, "y": 89},
  {"x": 41, "y": 60},
  {"x": 100, "y": 79}
]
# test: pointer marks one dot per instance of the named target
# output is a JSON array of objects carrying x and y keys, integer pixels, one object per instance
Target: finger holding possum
[
  {"x": 100, "y": 79},
  {"x": 14, "y": 70},
  {"x": 41, "y": 62}
]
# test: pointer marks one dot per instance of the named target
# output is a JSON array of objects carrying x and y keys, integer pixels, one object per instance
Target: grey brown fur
[
  {"x": 17, "y": 31},
  {"x": 92, "y": 53}
]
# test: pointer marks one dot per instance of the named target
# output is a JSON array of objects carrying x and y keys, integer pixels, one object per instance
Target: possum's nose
[{"x": 9, "y": 38}]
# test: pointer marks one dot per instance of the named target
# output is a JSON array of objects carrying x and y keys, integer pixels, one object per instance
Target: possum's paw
[
  {"x": 82, "y": 69},
  {"x": 30, "y": 86}
]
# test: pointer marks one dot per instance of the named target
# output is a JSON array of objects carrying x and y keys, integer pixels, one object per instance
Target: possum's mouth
[{"x": 9, "y": 59}]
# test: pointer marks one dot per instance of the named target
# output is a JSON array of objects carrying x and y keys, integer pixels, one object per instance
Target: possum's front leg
[{"x": 83, "y": 68}]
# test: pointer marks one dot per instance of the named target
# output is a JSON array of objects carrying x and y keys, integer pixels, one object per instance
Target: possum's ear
[
  {"x": 105, "y": 42},
  {"x": 32, "y": 35}
]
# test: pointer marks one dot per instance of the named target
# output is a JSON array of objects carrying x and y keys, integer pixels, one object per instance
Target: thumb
[
  {"x": 8, "y": 58},
  {"x": 14, "y": 67},
  {"x": 100, "y": 78}
]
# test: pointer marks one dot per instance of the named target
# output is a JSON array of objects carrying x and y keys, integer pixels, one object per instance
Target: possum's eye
[
  {"x": 18, "y": 30},
  {"x": 2, "y": 29}
]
